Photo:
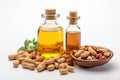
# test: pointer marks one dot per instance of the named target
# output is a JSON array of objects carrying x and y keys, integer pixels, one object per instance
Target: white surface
[{"x": 19, "y": 20}]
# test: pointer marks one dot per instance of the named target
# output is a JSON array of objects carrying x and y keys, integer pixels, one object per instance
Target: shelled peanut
[
  {"x": 89, "y": 52},
  {"x": 31, "y": 60}
]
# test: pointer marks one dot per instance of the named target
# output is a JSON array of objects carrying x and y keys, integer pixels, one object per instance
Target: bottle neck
[
  {"x": 50, "y": 21},
  {"x": 72, "y": 24}
]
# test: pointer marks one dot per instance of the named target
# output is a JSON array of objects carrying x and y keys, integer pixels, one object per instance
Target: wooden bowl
[{"x": 91, "y": 63}]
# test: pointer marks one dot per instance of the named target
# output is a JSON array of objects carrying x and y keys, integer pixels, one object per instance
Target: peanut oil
[
  {"x": 52, "y": 44},
  {"x": 50, "y": 36},
  {"x": 72, "y": 40}
]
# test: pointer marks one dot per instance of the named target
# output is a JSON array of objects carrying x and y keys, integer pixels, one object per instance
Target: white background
[{"x": 100, "y": 25}]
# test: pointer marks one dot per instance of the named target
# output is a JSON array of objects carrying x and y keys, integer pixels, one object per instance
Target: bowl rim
[{"x": 94, "y": 60}]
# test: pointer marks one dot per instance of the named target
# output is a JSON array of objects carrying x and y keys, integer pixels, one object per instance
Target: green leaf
[
  {"x": 33, "y": 40},
  {"x": 22, "y": 48},
  {"x": 26, "y": 43}
]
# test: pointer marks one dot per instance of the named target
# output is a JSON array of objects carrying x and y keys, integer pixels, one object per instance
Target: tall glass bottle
[
  {"x": 50, "y": 35},
  {"x": 73, "y": 33}
]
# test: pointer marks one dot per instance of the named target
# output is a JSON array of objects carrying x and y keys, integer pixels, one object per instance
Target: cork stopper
[
  {"x": 73, "y": 17},
  {"x": 50, "y": 14},
  {"x": 50, "y": 11},
  {"x": 73, "y": 14}
]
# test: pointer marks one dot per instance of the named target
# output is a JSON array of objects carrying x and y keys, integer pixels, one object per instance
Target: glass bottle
[
  {"x": 73, "y": 33},
  {"x": 50, "y": 35}
]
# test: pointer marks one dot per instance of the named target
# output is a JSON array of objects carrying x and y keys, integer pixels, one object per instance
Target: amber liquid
[
  {"x": 73, "y": 40},
  {"x": 50, "y": 42}
]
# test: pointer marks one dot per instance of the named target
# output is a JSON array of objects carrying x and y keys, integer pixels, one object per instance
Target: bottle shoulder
[
  {"x": 73, "y": 28},
  {"x": 50, "y": 27}
]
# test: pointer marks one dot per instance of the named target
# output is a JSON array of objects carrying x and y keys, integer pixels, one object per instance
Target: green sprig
[{"x": 29, "y": 44}]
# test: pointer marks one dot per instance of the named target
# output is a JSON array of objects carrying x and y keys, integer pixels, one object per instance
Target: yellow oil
[{"x": 50, "y": 42}]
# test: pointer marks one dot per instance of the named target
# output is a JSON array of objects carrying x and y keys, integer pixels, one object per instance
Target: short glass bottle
[
  {"x": 50, "y": 36},
  {"x": 73, "y": 33}
]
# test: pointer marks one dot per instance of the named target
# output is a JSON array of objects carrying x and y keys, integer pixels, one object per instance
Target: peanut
[
  {"x": 78, "y": 53},
  {"x": 29, "y": 56},
  {"x": 37, "y": 63},
  {"x": 102, "y": 49},
  {"x": 63, "y": 71},
  {"x": 92, "y": 51},
  {"x": 103, "y": 57},
  {"x": 39, "y": 58},
  {"x": 107, "y": 54},
  {"x": 62, "y": 66},
  {"x": 89, "y": 58},
  {"x": 61, "y": 60},
  {"x": 41, "y": 67},
  {"x": 44, "y": 60},
  {"x": 28, "y": 60},
  {"x": 20, "y": 55},
  {"x": 70, "y": 69},
  {"x": 69, "y": 59},
  {"x": 65, "y": 56},
  {"x": 25, "y": 54},
  {"x": 85, "y": 54},
  {"x": 99, "y": 56},
  {"x": 12, "y": 56},
  {"x": 56, "y": 65},
  {"x": 28, "y": 65},
  {"x": 50, "y": 61},
  {"x": 21, "y": 59},
  {"x": 51, "y": 67},
  {"x": 20, "y": 52},
  {"x": 16, "y": 63},
  {"x": 93, "y": 57},
  {"x": 33, "y": 55},
  {"x": 56, "y": 58}
]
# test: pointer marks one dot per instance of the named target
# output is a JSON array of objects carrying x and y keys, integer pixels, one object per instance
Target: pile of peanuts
[
  {"x": 31, "y": 60},
  {"x": 89, "y": 52}
]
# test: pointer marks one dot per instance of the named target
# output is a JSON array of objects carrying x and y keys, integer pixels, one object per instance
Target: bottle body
[
  {"x": 50, "y": 40},
  {"x": 73, "y": 38}
]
